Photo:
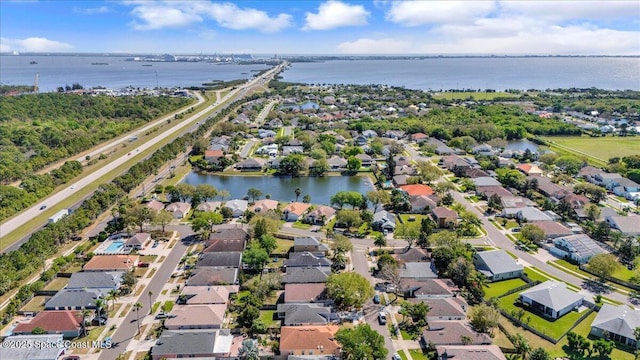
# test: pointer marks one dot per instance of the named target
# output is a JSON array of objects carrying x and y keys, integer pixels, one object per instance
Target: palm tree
[
  {"x": 297, "y": 191},
  {"x": 137, "y": 306},
  {"x": 113, "y": 296},
  {"x": 150, "y": 307},
  {"x": 99, "y": 302},
  {"x": 85, "y": 314}
]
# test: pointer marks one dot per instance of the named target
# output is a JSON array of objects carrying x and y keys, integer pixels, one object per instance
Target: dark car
[
  {"x": 43, "y": 207},
  {"x": 376, "y": 299},
  {"x": 143, "y": 264}
]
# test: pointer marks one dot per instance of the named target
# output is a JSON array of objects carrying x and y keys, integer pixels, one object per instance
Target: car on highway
[
  {"x": 72, "y": 187},
  {"x": 43, "y": 207}
]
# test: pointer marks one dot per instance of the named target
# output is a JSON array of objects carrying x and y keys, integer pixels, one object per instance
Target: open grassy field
[
  {"x": 599, "y": 148},
  {"x": 474, "y": 95}
]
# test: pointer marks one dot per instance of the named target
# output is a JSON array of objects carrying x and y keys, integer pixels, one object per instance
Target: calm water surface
[{"x": 282, "y": 188}]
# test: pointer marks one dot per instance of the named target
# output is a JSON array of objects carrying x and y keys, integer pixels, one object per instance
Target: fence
[{"x": 612, "y": 279}]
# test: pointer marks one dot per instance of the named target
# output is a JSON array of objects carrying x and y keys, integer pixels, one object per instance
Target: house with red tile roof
[
  {"x": 112, "y": 263},
  {"x": 317, "y": 340},
  {"x": 418, "y": 137},
  {"x": 293, "y": 211},
  {"x": 530, "y": 169},
  {"x": 65, "y": 322},
  {"x": 213, "y": 156},
  {"x": 417, "y": 189}
]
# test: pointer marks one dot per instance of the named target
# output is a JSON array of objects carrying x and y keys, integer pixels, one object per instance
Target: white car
[
  {"x": 72, "y": 187},
  {"x": 395, "y": 356}
]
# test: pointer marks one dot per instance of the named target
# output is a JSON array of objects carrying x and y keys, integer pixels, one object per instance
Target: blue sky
[{"x": 322, "y": 27}]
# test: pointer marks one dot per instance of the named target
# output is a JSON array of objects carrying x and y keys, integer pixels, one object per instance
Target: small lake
[
  {"x": 521, "y": 144},
  {"x": 282, "y": 188}
]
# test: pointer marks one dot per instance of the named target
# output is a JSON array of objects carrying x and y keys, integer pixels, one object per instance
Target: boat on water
[
  {"x": 147, "y": 65},
  {"x": 32, "y": 62},
  {"x": 99, "y": 63}
]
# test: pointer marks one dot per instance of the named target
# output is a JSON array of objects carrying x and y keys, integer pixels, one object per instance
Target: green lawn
[
  {"x": 283, "y": 246},
  {"x": 496, "y": 289},
  {"x": 600, "y": 148},
  {"x": 268, "y": 318},
  {"x": 301, "y": 225},
  {"x": 408, "y": 225},
  {"x": 417, "y": 354},
  {"x": 551, "y": 328},
  {"x": 543, "y": 276},
  {"x": 57, "y": 284},
  {"x": 35, "y": 304},
  {"x": 167, "y": 306}
]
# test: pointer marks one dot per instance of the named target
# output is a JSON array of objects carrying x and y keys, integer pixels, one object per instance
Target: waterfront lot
[{"x": 601, "y": 147}]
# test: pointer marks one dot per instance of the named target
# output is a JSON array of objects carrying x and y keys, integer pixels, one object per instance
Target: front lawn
[
  {"x": 496, "y": 289},
  {"x": 301, "y": 225},
  {"x": 551, "y": 328}
]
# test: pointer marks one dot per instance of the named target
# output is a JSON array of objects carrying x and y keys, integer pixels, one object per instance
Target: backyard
[{"x": 496, "y": 289}]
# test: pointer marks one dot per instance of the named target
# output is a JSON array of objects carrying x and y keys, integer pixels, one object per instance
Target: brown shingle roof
[
  {"x": 224, "y": 245},
  {"x": 294, "y": 338},
  {"x": 304, "y": 292},
  {"x": 451, "y": 333}
]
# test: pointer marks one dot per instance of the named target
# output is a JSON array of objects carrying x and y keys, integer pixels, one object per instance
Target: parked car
[
  {"x": 155, "y": 244},
  {"x": 382, "y": 318},
  {"x": 396, "y": 356},
  {"x": 376, "y": 299},
  {"x": 143, "y": 264},
  {"x": 164, "y": 315}
]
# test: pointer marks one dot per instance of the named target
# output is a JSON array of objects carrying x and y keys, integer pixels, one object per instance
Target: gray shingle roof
[
  {"x": 76, "y": 299},
  {"x": 95, "y": 279},
  {"x": 220, "y": 259},
  {"x": 299, "y": 314},
  {"x": 497, "y": 262},
  {"x": 552, "y": 294},
  {"x": 30, "y": 350},
  {"x": 213, "y": 276},
  {"x": 306, "y": 275},
  {"x": 186, "y": 342},
  {"x": 306, "y": 259},
  {"x": 619, "y": 320}
]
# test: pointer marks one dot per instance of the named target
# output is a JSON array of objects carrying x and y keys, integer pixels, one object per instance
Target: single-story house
[
  {"x": 111, "y": 263},
  {"x": 320, "y": 215},
  {"x": 453, "y": 308},
  {"x": 497, "y": 265},
  {"x": 251, "y": 164},
  {"x": 616, "y": 323},
  {"x": 304, "y": 293},
  {"x": 464, "y": 352},
  {"x": 578, "y": 248},
  {"x": 551, "y": 298},
  {"x": 305, "y": 314},
  {"x": 412, "y": 255},
  {"x": 225, "y": 245},
  {"x": 525, "y": 214},
  {"x": 73, "y": 299},
  {"x": 307, "y": 259},
  {"x": 209, "y": 206},
  {"x": 294, "y": 210},
  {"x": 231, "y": 259},
  {"x": 384, "y": 221},
  {"x": 366, "y": 160},
  {"x": 264, "y": 205},
  {"x": 30, "y": 349},
  {"x": 423, "y": 203},
  {"x": 445, "y": 218},
  {"x": 299, "y": 340},
  {"x": 553, "y": 229},
  {"x": 337, "y": 163},
  {"x": 309, "y": 243},
  {"x": 179, "y": 209},
  {"x": 193, "y": 344},
  {"x": 627, "y": 225},
  {"x": 154, "y": 205},
  {"x": 202, "y": 295},
  {"x": 65, "y": 322},
  {"x": 485, "y": 181},
  {"x": 104, "y": 281},
  {"x": 452, "y": 333},
  {"x": 530, "y": 169},
  {"x": 514, "y": 202},
  {"x": 213, "y": 276},
  {"x": 429, "y": 289},
  {"x": 417, "y": 189},
  {"x": 137, "y": 241},
  {"x": 229, "y": 234},
  {"x": 209, "y": 316},
  {"x": 418, "y": 270},
  {"x": 213, "y": 156},
  {"x": 237, "y": 206},
  {"x": 419, "y": 137},
  {"x": 308, "y": 275}
]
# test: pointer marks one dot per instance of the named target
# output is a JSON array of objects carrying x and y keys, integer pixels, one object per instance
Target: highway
[{"x": 17, "y": 221}]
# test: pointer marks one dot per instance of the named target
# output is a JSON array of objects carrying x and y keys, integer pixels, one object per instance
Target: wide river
[{"x": 283, "y": 188}]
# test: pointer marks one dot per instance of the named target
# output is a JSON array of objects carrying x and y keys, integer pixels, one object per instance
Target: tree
[
  {"x": 85, "y": 313},
  {"x": 268, "y": 242},
  {"x": 341, "y": 244},
  {"x": 353, "y": 164},
  {"x": 306, "y": 199},
  {"x": 349, "y": 218},
  {"x": 292, "y": 165},
  {"x": 254, "y": 194},
  {"x": 137, "y": 306},
  {"x": 460, "y": 270},
  {"x": 361, "y": 343},
  {"x": 248, "y": 315},
  {"x": 319, "y": 167},
  {"x": 223, "y": 194},
  {"x": 484, "y": 318},
  {"x": 427, "y": 171},
  {"x": 255, "y": 257},
  {"x": 539, "y": 353},
  {"x": 297, "y": 191},
  {"x": 603, "y": 265},
  {"x": 380, "y": 241},
  {"x": 532, "y": 233},
  {"x": 349, "y": 290},
  {"x": 636, "y": 335},
  {"x": 129, "y": 280},
  {"x": 99, "y": 303},
  {"x": 138, "y": 215},
  {"x": 569, "y": 164},
  {"x": 593, "y": 212},
  {"x": 259, "y": 228},
  {"x": 521, "y": 345},
  {"x": 203, "y": 222},
  {"x": 113, "y": 296},
  {"x": 162, "y": 218},
  {"x": 378, "y": 197},
  {"x": 602, "y": 346},
  {"x": 494, "y": 203},
  {"x": 206, "y": 192},
  {"x": 38, "y": 331}
]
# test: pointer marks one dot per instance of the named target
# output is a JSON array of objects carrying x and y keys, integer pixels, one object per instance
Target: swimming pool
[{"x": 114, "y": 247}]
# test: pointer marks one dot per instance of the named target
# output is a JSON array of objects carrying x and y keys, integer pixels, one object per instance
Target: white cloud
[
  {"x": 230, "y": 16},
  {"x": 375, "y": 46},
  {"x": 568, "y": 10},
  {"x": 92, "y": 11},
  {"x": 160, "y": 17},
  {"x": 176, "y": 14},
  {"x": 415, "y": 13},
  {"x": 33, "y": 44},
  {"x": 333, "y": 14}
]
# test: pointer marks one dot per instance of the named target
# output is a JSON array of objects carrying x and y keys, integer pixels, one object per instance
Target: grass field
[{"x": 600, "y": 148}]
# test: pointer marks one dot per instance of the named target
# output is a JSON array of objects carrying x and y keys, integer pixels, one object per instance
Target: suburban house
[
  {"x": 445, "y": 218},
  {"x": 307, "y": 259},
  {"x": 220, "y": 259},
  {"x": 320, "y": 215},
  {"x": 453, "y": 308},
  {"x": 526, "y": 214},
  {"x": 417, "y": 189},
  {"x": 103, "y": 281},
  {"x": 497, "y": 265},
  {"x": 305, "y": 314},
  {"x": 551, "y": 298},
  {"x": 179, "y": 209},
  {"x": 423, "y": 203},
  {"x": 251, "y": 164},
  {"x": 578, "y": 248},
  {"x": 309, "y": 243},
  {"x": 412, "y": 255},
  {"x": 229, "y": 234},
  {"x": 384, "y": 221},
  {"x": 209, "y": 206},
  {"x": 626, "y": 188},
  {"x": 32, "y": 347},
  {"x": 193, "y": 344},
  {"x": 111, "y": 263},
  {"x": 530, "y": 169},
  {"x": 210, "y": 316},
  {"x": 475, "y": 352},
  {"x": 514, "y": 202},
  {"x": 73, "y": 299},
  {"x": 418, "y": 137},
  {"x": 237, "y": 206},
  {"x": 213, "y": 276},
  {"x": 627, "y": 225},
  {"x": 65, "y": 322},
  {"x": 616, "y": 323},
  {"x": 293, "y": 211},
  {"x": 155, "y": 205},
  {"x": 418, "y": 270},
  {"x": 309, "y": 340},
  {"x": 264, "y": 205},
  {"x": 213, "y": 156},
  {"x": 225, "y": 245},
  {"x": 203, "y": 295},
  {"x": 553, "y": 229},
  {"x": 366, "y": 160},
  {"x": 452, "y": 333},
  {"x": 308, "y": 275},
  {"x": 429, "y": 289},
  {"x": 137, "y": 241},
  {"x": 303, "y": 293},
  {"x": 337, "y": 163}
]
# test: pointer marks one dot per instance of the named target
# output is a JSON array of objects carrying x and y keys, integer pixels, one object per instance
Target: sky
[{"x": 333, "y": 27}]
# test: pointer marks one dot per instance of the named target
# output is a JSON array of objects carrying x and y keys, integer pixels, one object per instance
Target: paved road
[
  {"x": 129, "y": 327},
  {"x": 246, "y": 150},
  {"x": 51, "y": 202},
  {"x": 265, "y": 111},
  {"x": 288, "y": 131}
]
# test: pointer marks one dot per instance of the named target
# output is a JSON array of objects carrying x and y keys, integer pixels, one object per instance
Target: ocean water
[
  {"x": 476, "y": 73},
  {"x": 55, "y": 71},
  {"x": 433, "y": 73}
]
